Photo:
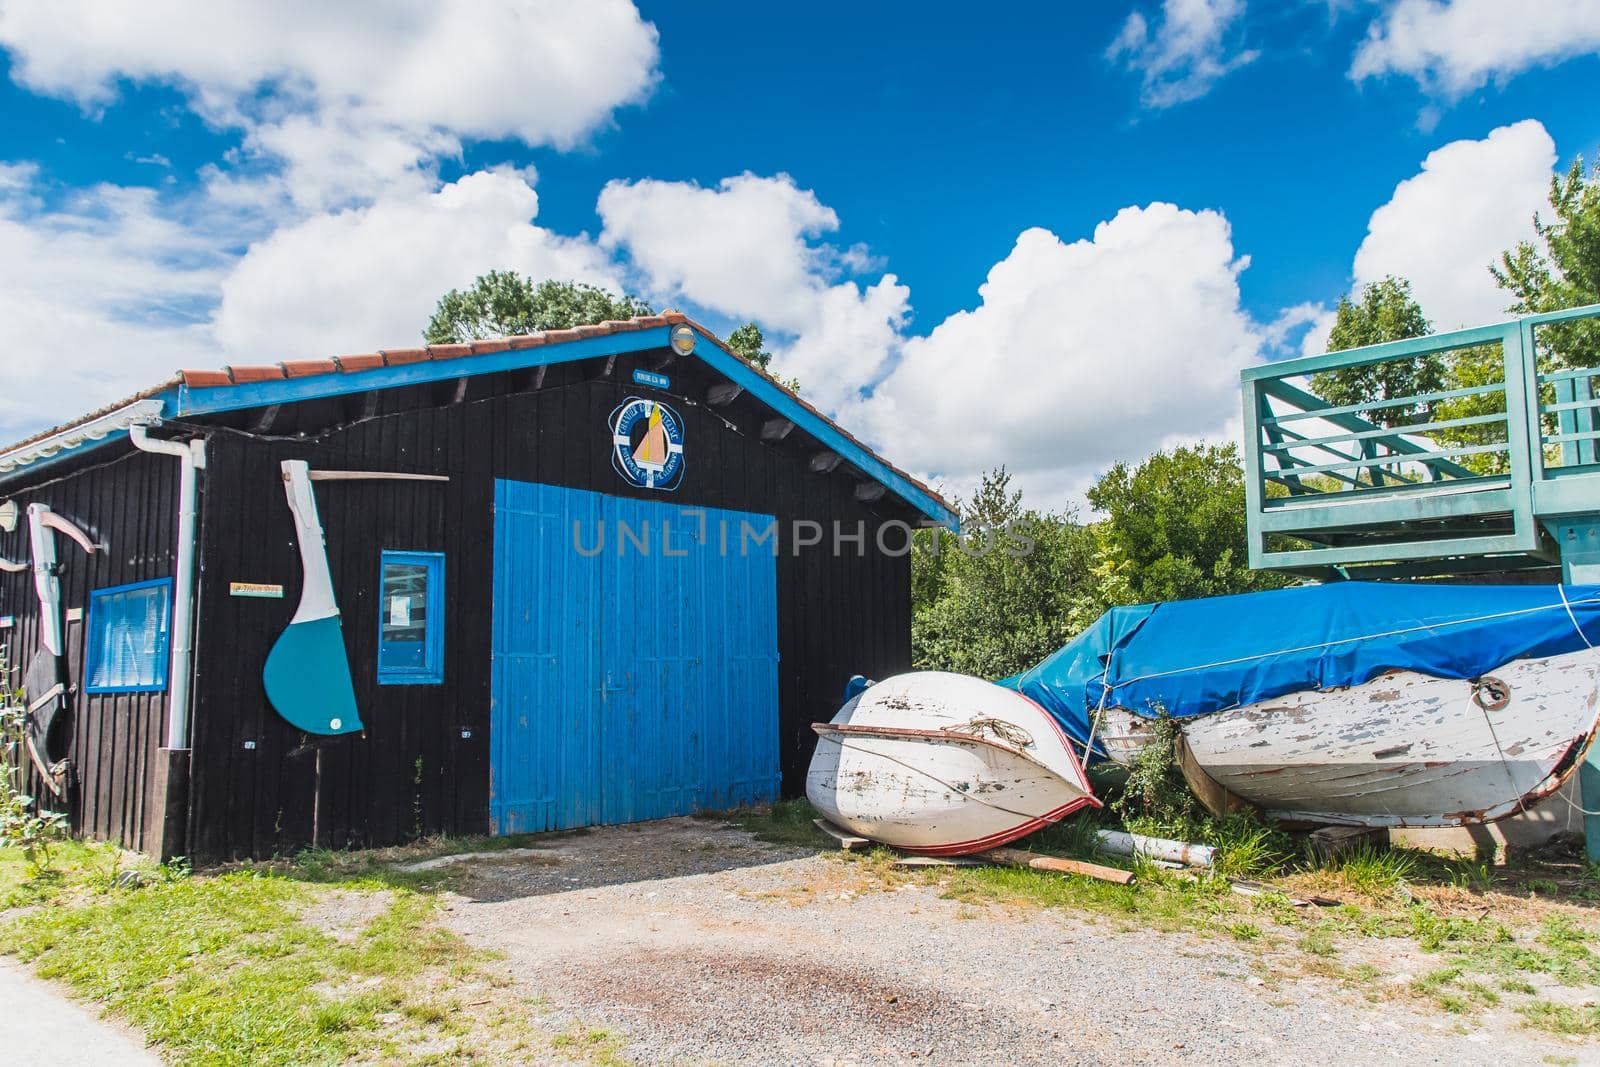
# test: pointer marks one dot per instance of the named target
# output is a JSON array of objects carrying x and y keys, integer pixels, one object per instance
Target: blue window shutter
[
  {"x": 129, "y": 638},
  {"x": 410, "y": 618}
]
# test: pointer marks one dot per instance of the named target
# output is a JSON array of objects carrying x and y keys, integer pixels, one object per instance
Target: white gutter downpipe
[{"x": 193, "y": 456}]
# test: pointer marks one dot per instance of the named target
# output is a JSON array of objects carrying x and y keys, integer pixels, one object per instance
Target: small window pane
[
  {"x": 410, "y": 641},
  {"x": 128, "y": 638}
]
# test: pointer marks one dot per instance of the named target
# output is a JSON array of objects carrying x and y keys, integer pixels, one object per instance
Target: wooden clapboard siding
[
  {"x": 412, "y": 770},
  {"x": 128, "y": 501}
]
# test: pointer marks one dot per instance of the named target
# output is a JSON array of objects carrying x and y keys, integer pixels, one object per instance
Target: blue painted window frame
[
  {"x": 431, "y": 672},
  {"x": 95, "y": 641}
]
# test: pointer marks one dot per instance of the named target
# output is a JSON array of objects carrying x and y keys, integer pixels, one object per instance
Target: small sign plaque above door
[
  {"x": 256, "y": 589},
  {"x": 652, "y": 379}
]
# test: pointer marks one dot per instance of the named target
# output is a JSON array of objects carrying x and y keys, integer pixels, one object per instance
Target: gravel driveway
[{"x": 699, "y": 944}]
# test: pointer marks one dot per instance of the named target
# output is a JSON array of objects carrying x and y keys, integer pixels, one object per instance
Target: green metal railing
[{"x": 1499, "y": 435}]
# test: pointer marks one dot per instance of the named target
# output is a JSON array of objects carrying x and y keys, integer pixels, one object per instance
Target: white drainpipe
[{"x": 193, "y": 457}]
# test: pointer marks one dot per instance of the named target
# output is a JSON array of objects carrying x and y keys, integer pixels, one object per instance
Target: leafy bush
[
  {"x": 1155, "y": 792},
  {"x": 24, "y": 825}
]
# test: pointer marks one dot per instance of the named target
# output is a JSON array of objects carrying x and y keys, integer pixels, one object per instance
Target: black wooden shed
[{"x": 587, "y": 576}]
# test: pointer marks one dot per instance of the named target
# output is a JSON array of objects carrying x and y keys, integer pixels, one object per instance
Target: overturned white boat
[
  {"x": 1352, "y": 703},
  {"x": 944, "y": 764}
]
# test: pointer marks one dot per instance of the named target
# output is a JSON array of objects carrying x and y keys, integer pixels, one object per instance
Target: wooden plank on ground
[{"x": 1016, "y": 857}]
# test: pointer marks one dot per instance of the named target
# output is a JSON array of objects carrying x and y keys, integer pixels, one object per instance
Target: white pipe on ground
[
  {"x": 1156, "y": 848},
  {"x": 192, "y": 455}
]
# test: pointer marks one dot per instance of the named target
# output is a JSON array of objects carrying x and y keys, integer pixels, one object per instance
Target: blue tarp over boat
[{"x": 1194, "y": 657}]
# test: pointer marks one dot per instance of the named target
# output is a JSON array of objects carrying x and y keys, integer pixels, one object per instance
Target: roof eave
[{"x": 77, "y": 438}]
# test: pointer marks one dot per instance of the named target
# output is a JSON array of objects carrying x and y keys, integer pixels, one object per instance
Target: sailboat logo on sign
[{"x": 647, "y": 444}]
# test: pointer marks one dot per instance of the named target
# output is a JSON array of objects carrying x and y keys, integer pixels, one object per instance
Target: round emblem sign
[{"x": 647, "y": 444}]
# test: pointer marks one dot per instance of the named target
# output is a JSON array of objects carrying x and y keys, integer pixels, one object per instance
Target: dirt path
[
  {"x": 698, "y": 944},
  {"x": 42, "y": 1024}
]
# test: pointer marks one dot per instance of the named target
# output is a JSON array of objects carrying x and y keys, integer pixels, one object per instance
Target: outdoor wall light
[{"x": 682, "y": 339}]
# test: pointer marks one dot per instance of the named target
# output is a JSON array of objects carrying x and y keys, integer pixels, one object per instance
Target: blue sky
[{"x": 213, "y": 189}]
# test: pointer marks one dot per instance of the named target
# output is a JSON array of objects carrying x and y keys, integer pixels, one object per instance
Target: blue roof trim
[
  {"x": 209, "y": 400},
  {"x": 777, "y": 398}
]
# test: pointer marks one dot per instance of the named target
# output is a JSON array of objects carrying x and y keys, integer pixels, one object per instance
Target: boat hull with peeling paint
[
  {"x": 1404, "y": 749},
  {"x": 944, "y": 764}
]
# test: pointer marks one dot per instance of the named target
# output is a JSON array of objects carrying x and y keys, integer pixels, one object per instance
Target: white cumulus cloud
[
  {"x": 103, "y": 292},
  {"x": 1443, "y": 226},
  {"x": 1079, "y": 354},
  {"x": 1451, "y": 47},
  {"x": 349, "y": 96},
  {"x": 329, "y": 228},
  {"x": 1190, "y": 48},
  {"x": 368, "y": 277},
  {"x": 751, "y": 248}
]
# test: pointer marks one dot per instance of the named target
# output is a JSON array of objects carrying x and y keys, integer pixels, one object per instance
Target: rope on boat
[
  {"x": 1099, "y": 713},
  {"x": 1505, "y": 764},
  {"x": 1585, "y": 637},
  {"x": 999, "y": 729},
  {"x": 940, "y": 781}
]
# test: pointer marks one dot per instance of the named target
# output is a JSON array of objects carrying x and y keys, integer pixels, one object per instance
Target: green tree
[
  {"x": 1008, "y": 594},
  {"x": 1176, "y": 526},
  {"x": 750, "y": 343},
  {"x": 748, "y": 340},
  {"x": 504, "y": 303},
  {"x": 1384, "y": 311},
  {"x": 1561, "y": 268}
]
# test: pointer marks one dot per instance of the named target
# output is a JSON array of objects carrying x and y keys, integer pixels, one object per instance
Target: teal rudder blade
[{"x": 307, "y": 678}]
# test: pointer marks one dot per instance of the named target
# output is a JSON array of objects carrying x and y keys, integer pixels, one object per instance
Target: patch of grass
[
  {"x": 223, "y": 969},
  {"x": 1075, "y": 836},
  {"x": 1244, "y": 930},
  {"x": 1248, "y": 849},
  {"x": 1454, "y": 993},
  {"x": 594, "y": 1044},
  {"x": 234, "y": 968},
  {"x": 788, "y": 822},
  {"x": 1372, "y": 872},
  {"x": 1318, "y": 941},
  {"x": 1556, "y": 1018}
]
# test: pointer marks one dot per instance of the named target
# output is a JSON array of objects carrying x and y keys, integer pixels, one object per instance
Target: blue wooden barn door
[
  {"x": 544, "y": 735},
  {"x": 636, "y": 682}
]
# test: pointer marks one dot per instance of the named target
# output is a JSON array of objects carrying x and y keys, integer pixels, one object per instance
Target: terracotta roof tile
[
  {"x": 202, "y": 379},
  {"x": 397, "y": 356},
  {"x": 305, "y": 368},
  {"x": 269, "y": 372},
  {"x": 355, "y": 364}
]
